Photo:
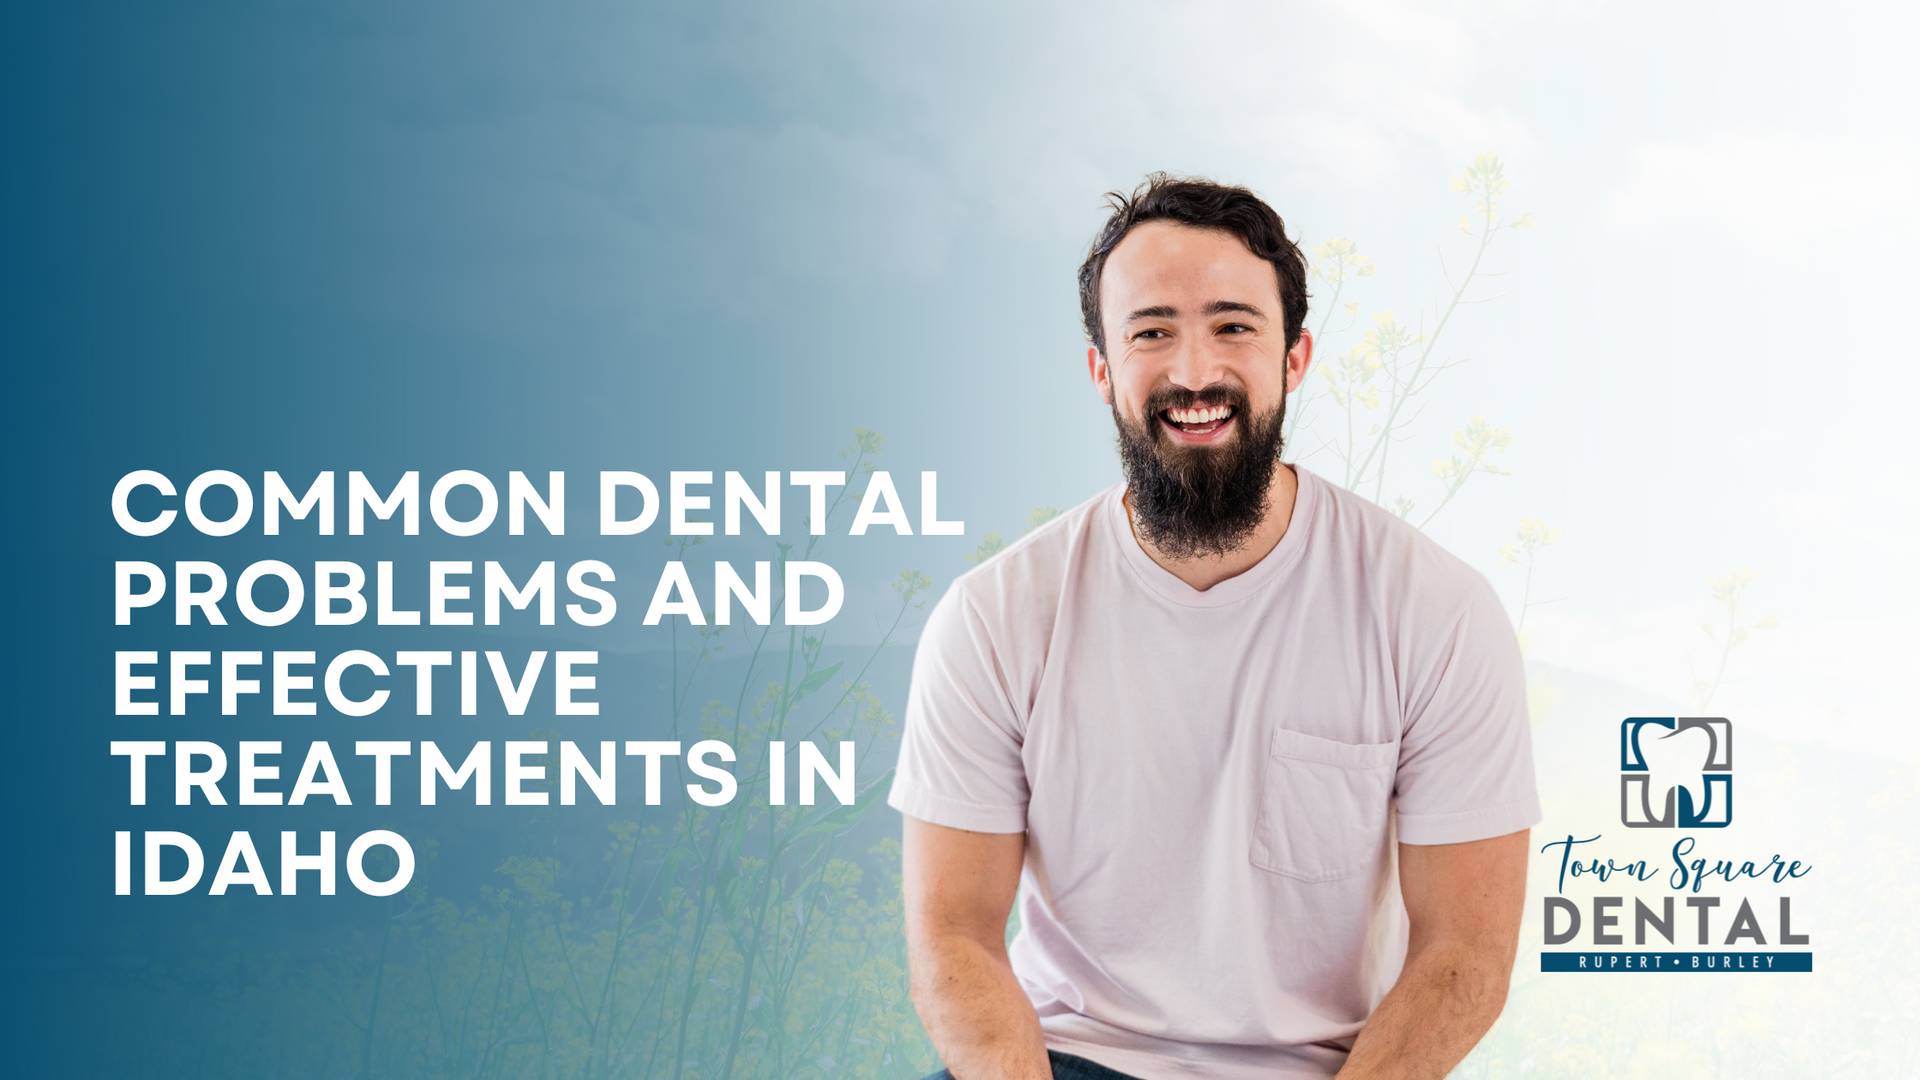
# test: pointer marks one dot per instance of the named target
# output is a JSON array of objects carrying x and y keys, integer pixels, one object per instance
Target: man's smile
[{"x": 1202, "y": 424}]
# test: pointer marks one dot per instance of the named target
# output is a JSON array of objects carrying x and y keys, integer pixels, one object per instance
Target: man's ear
[
  {"x": 1097, "y": 369},
  {"x": 1298, "y": 358}
]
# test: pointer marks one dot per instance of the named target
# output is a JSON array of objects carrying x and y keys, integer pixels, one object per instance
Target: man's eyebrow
[
  {"x": 1219, "y": 307},
  {"x": 1158, "y": 311}
]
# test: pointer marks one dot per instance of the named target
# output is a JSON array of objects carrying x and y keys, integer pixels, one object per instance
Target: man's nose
[{"x": 1195, "y": 364}]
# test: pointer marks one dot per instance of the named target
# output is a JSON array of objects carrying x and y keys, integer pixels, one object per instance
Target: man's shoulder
[
  {"x": 1401, "y": 565},
  {"x": 1028, "y": 575}
]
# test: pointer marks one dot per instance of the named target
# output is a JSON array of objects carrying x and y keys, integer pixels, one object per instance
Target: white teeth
[{"x": 1198, "y": 416}]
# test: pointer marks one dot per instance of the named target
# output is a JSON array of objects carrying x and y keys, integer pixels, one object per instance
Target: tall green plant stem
[
  {"x": 373, "y": 1007},
  {"x": 1402, "y": 390},
  {"x": 1526, "y": 598},
  {"x": 1300, "y": 399},
  {"x": 1726, "y": 651}
]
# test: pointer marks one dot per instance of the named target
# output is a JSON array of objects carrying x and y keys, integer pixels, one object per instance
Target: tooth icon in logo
[{"x": 1685, "y": 763}]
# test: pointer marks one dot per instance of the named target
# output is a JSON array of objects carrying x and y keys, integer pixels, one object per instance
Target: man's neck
[{"x": 1203, "y": 572}]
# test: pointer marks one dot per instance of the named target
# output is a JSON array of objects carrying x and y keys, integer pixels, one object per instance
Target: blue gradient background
[{"x": 587, "y": 236}]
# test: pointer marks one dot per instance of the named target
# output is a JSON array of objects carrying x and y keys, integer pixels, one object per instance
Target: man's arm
[
  {"x": 958, "y": 887},
  {"x": 1463, "y": 906}
]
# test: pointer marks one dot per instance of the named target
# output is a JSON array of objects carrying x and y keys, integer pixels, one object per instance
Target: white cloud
[
  {"x": 855, "y": 142},
  {"x": 1763, "y": 188},
  {"x": 1030, "y": 115}
]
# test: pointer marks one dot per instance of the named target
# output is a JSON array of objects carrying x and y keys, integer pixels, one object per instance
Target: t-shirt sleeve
[
  {"x": 960, "y": 763},
  {"x": 1466, "y": 752}
]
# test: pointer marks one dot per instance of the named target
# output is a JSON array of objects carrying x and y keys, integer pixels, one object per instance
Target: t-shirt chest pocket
[{"x": 1323, "y": 805}]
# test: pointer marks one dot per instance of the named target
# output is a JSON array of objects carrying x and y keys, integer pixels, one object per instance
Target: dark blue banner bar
[{"x": 1676, "y": 961}]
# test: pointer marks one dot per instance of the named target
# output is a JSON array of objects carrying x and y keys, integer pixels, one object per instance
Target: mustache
[{"x": 1179, "y": 397}]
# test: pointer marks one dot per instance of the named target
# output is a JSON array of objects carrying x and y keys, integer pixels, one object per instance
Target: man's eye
[
  {"x": 1236, "y": 328},
  {"x": 1150, "y": 334}
]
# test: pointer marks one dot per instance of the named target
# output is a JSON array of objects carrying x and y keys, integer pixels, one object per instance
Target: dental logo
[{"x": 1688, "y": 760}]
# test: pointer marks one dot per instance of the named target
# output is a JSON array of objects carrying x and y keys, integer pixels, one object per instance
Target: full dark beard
[{"x": 1199, "y": 501}]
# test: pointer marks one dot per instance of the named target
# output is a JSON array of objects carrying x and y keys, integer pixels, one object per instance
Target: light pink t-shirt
[{"x": 1210, "y": 781}]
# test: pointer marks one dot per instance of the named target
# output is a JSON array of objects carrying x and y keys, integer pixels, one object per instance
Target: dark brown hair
[{"x": 1205, "y": 205}]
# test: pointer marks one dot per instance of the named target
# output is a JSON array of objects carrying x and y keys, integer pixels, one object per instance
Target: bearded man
[{"x": 1252, "y": 752}]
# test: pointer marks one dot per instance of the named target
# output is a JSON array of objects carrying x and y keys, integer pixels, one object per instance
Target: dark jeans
[{"x": 1065, "y": 1067}]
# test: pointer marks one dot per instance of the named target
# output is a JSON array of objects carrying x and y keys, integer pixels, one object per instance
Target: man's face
[{"x": 1197, "y": 370}]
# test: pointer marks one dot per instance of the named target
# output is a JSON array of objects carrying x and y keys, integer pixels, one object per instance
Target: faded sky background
[
  {"x": 720, "y": 235},
  {"x": 711, "y": 236}
]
